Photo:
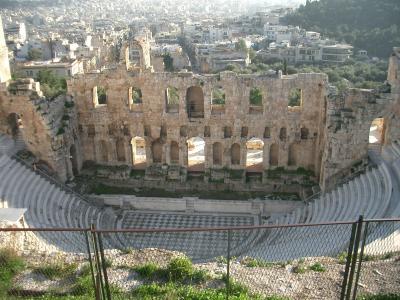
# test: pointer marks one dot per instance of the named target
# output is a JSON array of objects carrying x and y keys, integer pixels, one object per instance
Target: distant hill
[{"x": 373, "y": 25}]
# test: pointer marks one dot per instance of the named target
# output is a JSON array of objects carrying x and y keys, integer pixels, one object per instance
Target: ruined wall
[
  {"x": 103, "y": 125},
  {"x": 349, "y": 118},
  {"x": 41, "y": 123}
]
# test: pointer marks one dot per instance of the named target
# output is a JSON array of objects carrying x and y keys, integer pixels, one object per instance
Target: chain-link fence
[
  {"x": 51, "y": 263},
  {"x": 379, "y": 259},
  {"x": 324, "y": 261}
]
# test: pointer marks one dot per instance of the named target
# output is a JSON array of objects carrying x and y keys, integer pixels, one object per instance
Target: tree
[
  {"x": 168, "y": 62},
  {"x": 51, "y": 84},
  {"x": 34, "y": 54},
  {"x": 241, "y": 45}
]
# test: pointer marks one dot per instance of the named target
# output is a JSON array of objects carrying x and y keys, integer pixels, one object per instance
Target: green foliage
[
  {"x": 180, "y": 269},
  {"x": 255, "y": 263},
  {"x": 10, "y": 265},
  {"x": 168, "y": 62},
  {"x": 136, "y": 95},
  {"x": 241, "y": 45},
  {"x": 55, "y": 271},
  {"x": 34, "y": 54},
  {"x": 60, "y": 131},
  {"x": 101, "y": 95},
  {"x": 255, "y": 96},
  {"x": 367, "y": 24},
  {"x": 172, "y": 95},
  {"x": 318, "y": 267},
  {"x": 51, "y": 84},
  {"x": 294, "y": 97},
  {"x": 147, "y": 271},
  {"x": 218, "y": 96},
  {"x": 137, "y": 173}
]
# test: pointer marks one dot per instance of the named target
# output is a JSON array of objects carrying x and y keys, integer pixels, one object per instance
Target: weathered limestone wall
[
  {"x": 5, "y": 73},
  {"x": 119, "y": 120},
  {"x": 38, "y": 124}
]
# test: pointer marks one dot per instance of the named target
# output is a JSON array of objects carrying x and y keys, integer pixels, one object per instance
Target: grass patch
[
  {"x": 342, "y": 257},
  {"x": 147, "y": 271},
  {"x": 55, "y": 271},
  {"x": 299, "y": 269},
  {"x": 10, "y": 265},
  {"x": 255, "y": 263}
]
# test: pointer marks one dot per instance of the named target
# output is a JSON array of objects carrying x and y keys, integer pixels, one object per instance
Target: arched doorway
[
  {"x": 74, "y": 160},
  {"x": 377, "y": 132},
  {"x": 174, "y": 153},
  {"x": 254, "y": 155},
  {"x": 235, "y": 154},
  {"x": 274, "y": 155},
  {"x": 103, "y": 151},
  {"x": 293, "y": 152},
  {"x": 139, "y": 158},
  {"x": 120, "y": 145},
  {"x": 217, "y": 154},
  {"x": 156, "y": 150},
  {"x": 195, "y": 102},
  {"x": 196, "y": 156}
]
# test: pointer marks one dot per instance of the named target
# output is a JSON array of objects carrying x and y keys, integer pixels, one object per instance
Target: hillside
[{"x": 366, "y": 24}]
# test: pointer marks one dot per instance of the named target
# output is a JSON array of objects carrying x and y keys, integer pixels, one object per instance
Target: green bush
[
  {"x": 180, "y": 268},
  {"x": 147, "y": 271},
  {"x": 255, "y": 97},
  {"x": 317, "y": 267}
]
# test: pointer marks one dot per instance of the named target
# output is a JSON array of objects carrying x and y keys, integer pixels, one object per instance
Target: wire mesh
[
  {"x": 44, "y": 263},
  {"x": 166, "y": 265},
  {"x": 380, "y": 267}
]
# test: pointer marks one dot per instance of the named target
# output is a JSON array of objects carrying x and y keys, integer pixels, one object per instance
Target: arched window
[
  {"x": 235, "y": 154},
  {"x": 217, "y": 154},
  {"x": 120, "y": 147},
  {"x": 274, "y": 155},
  {"x": 139, "y": 152},
  {"x": 195, "y": 102},
  {"x": 157, "y": 150},
  {"x": 174, "y": 152},
  {"x": 254, "y": 155},
  {"x": 196, "y": 157}
]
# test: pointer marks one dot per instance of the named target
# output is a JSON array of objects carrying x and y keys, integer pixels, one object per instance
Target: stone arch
[
  {"x": 292, "y": 155},
  {"x": 267, "y": 133},
  {"x": 377, "y": 131},
  {"x": 103, "y": 151},
  {"x": 14, "y": 123},
  {"x": 217, "y": 153},
  {"x": 157, "y": 151},
  {"x": 195, "y": 102},
  {"x": 120, "y": 146},
  {"x": 235, "y": 154},
  {"x": 254, "y": 155},
  {"x": 283, "y": 134},
  {"x": 74, "y": 160},
  {"x": 139, "y": 158},
  {"x": 174, "y": 152},
  {"x": 274, "y": 155},
  {"x": 196, "y": 154}
]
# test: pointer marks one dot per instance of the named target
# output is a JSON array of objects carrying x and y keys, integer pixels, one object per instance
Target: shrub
[
  {"x": 147, "y": 270},
  {"x": 180, "y": 269},
  {"x": 342, "y": 257},
  {"x": 317, "y": 267}
]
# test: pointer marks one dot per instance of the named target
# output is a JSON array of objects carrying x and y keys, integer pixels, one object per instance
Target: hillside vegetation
[{"x": 367, "y": 24}]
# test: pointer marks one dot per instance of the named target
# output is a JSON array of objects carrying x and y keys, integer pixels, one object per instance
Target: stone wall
[{"x": 102, "y": 125}]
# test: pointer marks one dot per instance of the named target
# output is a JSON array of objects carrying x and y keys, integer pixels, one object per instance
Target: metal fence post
[
  {"x": 91, "y": 265},
  {"x": 360, "y": 259},
  {"x": 228, "y": 263},
  {"x": 348, "y": 261},
  {"x": 97, "y": 258},
  {"x": 354, "y": 258},
  {"x": 103, "y": 263}
]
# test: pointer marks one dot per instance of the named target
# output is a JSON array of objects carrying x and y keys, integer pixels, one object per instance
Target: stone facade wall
[{"x": 118, "y": 120}]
